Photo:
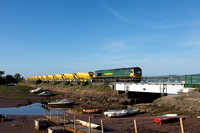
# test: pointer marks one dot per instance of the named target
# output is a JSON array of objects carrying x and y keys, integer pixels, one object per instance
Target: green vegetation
[
  {"x": 8, "y": 79},
  {"x": 38, "y": 81},
  {"x": 197, "y": 89},
  {"x": 15, "y": 92},
  {"x": 85, "y": 83}
]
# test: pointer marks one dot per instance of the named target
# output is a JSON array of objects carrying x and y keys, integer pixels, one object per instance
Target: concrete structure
[{"x": 151, "y": 87}]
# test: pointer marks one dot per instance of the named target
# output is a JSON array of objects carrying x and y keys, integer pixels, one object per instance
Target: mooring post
[
  {"x": 89, "y": 125},
  {"x": 58, "y": 116},
  {"x": 181, "y": 123},
  {"x": 45, "y": 111},
  {"x": 102, "y": 126},
  {"x": 50, "y": 113},
  {"x": 64, "y": 118},
  {"x": 135, "y": 125},
  {"x": 74, "y": 123}
]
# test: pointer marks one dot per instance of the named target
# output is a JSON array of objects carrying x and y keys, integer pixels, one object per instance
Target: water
[{"x": 33, "y": 109}]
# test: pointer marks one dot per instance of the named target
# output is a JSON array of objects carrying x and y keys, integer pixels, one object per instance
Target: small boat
[
  {"x": 119, "y": 113},
  {"x": 161, "y": 120},
  {"x": 3, "y": 117},
  {"x": 46, "y": 93},
  {"x": 38, "y": 90},
  {"x": 63, "y": 102},
  {"x": 86, "y": 124},
  {"x": 92, "y": 110}
]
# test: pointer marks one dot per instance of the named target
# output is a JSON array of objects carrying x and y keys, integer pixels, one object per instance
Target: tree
[
  {"x": 9, "y": 79},
  {"x": 17, "y": 77},
  {"x": 2, "y": 81},
  {"x": 1, "y": 73}
]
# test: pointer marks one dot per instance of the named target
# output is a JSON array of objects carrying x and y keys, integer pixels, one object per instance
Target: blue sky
[{"x": 41, "y": 37}]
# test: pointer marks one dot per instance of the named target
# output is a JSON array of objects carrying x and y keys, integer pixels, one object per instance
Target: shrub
[
  {"x": 67, "y": 83},
  {"x": 56, "y": 82},
  {"x": 197, "y": 89},
  {"x": 38, "y": 81},
  {"x": 85, "y": 83}
]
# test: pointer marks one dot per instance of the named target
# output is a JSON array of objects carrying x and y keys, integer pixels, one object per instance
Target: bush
[
  {"x": 67, "y": 83},
  {"x": 197, "y": 89},
  {"x": 38, "y": 81},
  {"x": 85, "y": 83},
  {"x": 56, "y": 82}
]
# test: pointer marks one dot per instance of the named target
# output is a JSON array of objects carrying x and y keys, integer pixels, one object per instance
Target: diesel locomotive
[{"x": 132, "y": 74}]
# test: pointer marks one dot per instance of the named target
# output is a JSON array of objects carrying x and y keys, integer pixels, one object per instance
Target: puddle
[{"x": 35, "y": 109}]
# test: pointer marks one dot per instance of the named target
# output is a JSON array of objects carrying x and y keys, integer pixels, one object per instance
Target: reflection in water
[{"x": 37, "y": 109}]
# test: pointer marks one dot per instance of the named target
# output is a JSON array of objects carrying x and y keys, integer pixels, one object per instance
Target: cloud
[{"x": 115, "y": 13}]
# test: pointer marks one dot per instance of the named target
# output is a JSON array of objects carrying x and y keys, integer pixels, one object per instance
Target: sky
[{"x": 44, "y": 37}]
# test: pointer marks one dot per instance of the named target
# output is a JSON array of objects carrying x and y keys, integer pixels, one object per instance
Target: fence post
[
  {"x": 74, "y": 123},
  {"x": 50, "y": 113},
  {"x": 64, "y": 118},
  {"x": 45, "y": 111},
  {"x": 181, "y": 123},
  {"x": 89, "y": 125},
  {"x": 135, "y": 125},
  {"x": 58, "y": 117},
  {"x": 102, "y": 126}
]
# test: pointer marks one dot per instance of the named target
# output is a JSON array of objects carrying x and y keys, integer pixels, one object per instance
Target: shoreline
[{"x": 25, "y": 123}]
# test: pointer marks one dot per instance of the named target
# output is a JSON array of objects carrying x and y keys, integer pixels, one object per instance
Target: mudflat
[{"x": 25, "y": 123}]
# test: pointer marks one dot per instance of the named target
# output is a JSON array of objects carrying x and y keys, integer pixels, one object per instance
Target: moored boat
[
  {"x": 120, "y": 113},
  {"x": 3, "y": 117},
  {"x": 38, "y": 90},
  {"x": 62, "y": 102},
  {"x": 46, "y": 93},
  {"x": 166, "y": 118},
  {"x": 86, "y": 124},
  {"x": 92, "y": 110}
]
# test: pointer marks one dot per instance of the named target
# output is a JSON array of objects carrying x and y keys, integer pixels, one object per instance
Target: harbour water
[{"x": 35, "y": 109}]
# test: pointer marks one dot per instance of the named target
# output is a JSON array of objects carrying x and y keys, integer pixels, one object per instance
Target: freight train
[{"x": 132, "y": 74}]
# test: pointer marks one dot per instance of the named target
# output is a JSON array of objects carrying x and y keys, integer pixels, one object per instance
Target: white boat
[
  {"x": 86, "y": 124},
  {"x": 118, "y": 113},
  {"x": 161, "y": 120},
  {"x": 62, "y": 102},
  {"x": 46, "y": 93},
  {"x": 3, "y": 117},
  {"x": 40, "y": 89}
]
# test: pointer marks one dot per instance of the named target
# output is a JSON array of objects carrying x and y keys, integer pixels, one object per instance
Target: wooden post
[
  {"x": 135, "y": 125},
  {"x": 181, "y": 123},
  {"x": 58, "y": 117},
  {"x": 102, "y": 126},
  {"x": 64, "y": 118},
  {"x": 74, "y": 123},
  {"x": 45, "y": 111},
  {"x": 89, "y": 125},
  {"x": 50, "y": 113}
]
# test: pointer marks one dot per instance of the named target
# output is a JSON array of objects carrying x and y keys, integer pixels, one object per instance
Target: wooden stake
[
  {"x": 181, "y": 123},
  {"x": 102, "y": 126},
  {"x": 74, "y": 123},
  {"x": 58, "y": 117},
  {"x": 45, "y": 111},
  {"x": 89, "y": 125},
  {"x": 50, "y": 113},
  {"x": 64, "y": 118},
  {"x": 135, "y": 125}
]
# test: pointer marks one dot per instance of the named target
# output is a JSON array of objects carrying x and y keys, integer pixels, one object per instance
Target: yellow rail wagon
[
  {"x": 50, "y": 77},
  {"x": 35, "y": 78},
  {"x": 68, "y": 77},
  {"x": 58, "y": 77},
  {"x": 44, "y": 78},
  {"x": 39, "y": 77},
  {"x": 83, "y": 77}
]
